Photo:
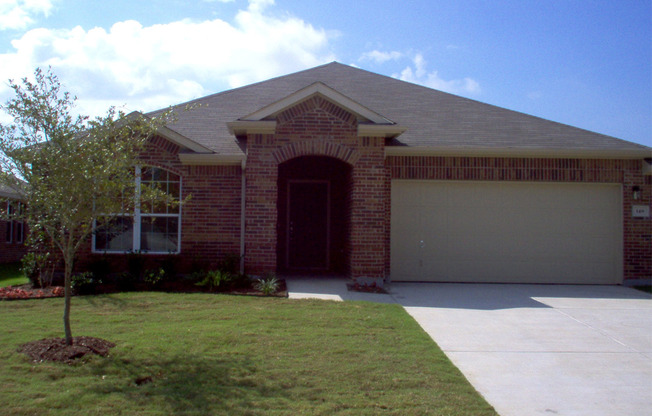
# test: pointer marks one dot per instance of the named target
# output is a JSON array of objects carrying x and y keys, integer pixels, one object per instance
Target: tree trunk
[{"x": 67, "y": 291}]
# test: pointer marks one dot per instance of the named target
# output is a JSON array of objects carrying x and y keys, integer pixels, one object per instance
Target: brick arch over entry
[{"x": 316, "y": 148}]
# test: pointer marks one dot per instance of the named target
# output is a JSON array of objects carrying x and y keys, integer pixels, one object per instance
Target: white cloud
[
  {"x": 155, "y": 66},
  {"x": 418, "y": 74},
  {"x": 380, "y": 57},
  {"x": 17, "y": 14}
]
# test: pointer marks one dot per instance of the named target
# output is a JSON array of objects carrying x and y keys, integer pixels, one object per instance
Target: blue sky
[{"x": 586, "y": 63}]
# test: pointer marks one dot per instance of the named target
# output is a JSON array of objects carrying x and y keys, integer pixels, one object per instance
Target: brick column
[
  {"x": 368, "y": 222},
  {"x": 261, "y": 174}
]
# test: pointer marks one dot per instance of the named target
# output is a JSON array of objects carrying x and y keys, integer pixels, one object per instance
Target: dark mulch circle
[{"x": 55, "y": 349}]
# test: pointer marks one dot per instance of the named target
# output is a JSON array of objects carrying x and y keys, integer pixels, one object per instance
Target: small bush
[
  {"x": 38, "y": 268},
  {"x": 154, "y": 277},
  {"x": 85, "y": 283},
  {"x": 169, "y": 265},
  {"x": 268, "y": 284},
  {"x": 215, "y": 279}
]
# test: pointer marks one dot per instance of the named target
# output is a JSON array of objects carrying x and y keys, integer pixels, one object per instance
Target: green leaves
[{"x": 72, "y": 170}]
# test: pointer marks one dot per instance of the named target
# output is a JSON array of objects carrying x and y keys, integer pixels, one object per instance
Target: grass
[
  {"x": 10, "y": 275},
  {"x": 220, "y": 354}
]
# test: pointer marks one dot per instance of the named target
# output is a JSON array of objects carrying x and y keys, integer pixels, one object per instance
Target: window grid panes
[{"x": 153, "y": 228}]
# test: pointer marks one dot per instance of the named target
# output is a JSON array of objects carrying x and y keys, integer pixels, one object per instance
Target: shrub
[
  {"x": 215, "y": 279},
  {"x": 169, "y": 267},
  {"x": 85, "y": 283},
  {"x": 154, "y": 277},
  {"x": 268, "y": 284},
  {"x": 38, "y": 268}
]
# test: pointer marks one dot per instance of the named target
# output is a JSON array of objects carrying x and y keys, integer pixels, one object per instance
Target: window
[
  {"x": 151, "y": 228},
  {"x": 14, "y": 232},
  {"x": 19, "y": 226},
  {"x": 9, "y": 231}
]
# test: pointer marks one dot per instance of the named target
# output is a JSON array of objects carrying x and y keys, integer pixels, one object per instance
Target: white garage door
[{"x": 506, "y": 232}]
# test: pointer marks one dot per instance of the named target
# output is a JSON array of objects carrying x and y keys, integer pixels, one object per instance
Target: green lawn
[
  {"x": 10, "y": 275},
  {"x": 219, "y": 354}
]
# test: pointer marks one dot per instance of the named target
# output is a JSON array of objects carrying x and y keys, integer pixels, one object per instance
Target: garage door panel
[{"x": 507, "y": 232}]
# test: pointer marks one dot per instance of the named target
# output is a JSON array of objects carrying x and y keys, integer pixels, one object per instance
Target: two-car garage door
[{"x": 506, "y": 232}]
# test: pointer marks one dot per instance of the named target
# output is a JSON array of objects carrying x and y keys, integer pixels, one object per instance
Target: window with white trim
[
  {"x": 9, "y": 231},
  {"x": 152, "y": 227},
  {"x": 14, "y": 231}
]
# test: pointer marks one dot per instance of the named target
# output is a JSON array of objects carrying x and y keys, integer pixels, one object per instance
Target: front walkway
[{"x": 531, "y": 349}]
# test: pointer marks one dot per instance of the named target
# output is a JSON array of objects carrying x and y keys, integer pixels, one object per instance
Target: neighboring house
[
  {"x": 12, "y": 230},
  {"x": 342, "y": 171}
]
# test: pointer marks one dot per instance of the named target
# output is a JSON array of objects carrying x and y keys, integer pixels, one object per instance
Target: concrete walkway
[{"x": 532, "y": 349}]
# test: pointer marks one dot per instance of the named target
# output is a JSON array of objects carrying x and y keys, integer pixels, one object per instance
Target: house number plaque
[{"x": 640, "y": 211}]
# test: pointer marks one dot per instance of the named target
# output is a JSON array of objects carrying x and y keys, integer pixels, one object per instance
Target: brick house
[
  {"x": 336, "y": 170},
  {"x": 12, "y": 231}
]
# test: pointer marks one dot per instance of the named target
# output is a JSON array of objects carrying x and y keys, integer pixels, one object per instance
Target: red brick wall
[
  {"x": 316, "y": 127},
  {"x": 210, "y": 218},
  {"x": 10, "y": 252},
  {"x": 637, "y": 255}
]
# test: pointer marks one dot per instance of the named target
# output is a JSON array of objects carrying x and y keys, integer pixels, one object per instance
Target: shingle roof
[
  {"x": 8, "y": 192},
  {"x": 432, "y": 118}
]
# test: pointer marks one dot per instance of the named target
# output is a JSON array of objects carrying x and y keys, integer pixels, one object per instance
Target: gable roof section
[
  {"x": 9, "y": 192},
  {"x": 262, "y": 121},
  {"x": 435, "y": 122}
]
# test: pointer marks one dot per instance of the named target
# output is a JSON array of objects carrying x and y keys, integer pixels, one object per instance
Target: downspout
[{"x": 243, "y": 189}]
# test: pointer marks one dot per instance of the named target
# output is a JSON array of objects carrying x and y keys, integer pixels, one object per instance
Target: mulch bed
[
  {"x": 55, "y": 349},
  {"x": 26, "y": 291},
  {"x": 357, "y": 287}
]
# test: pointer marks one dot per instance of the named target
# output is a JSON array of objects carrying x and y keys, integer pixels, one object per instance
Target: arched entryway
[{"x": 313, "y": 215}]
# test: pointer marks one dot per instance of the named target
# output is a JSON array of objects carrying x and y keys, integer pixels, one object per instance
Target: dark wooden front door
[{"x": 308, "y": 225}]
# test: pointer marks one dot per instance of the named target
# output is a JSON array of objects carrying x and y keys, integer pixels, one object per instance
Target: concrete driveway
[
  {"x": 532, "y": 349},
  {"x": 543, "y": 350}
]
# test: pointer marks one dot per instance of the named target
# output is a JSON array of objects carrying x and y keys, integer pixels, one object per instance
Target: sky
[{"x": 587, "y": 63}]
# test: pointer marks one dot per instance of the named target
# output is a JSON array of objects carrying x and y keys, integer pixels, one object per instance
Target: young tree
[{"x": 73, "y": 171}]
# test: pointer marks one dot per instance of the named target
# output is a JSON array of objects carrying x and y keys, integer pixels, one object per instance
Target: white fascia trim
[
  {"x": 380, "y": 130},
  {"x": 327, "y": 92},
  {"x": 210, "y": 159},
  {"x": 242, "y": 127},
  {"x": 516, "y": 152}
]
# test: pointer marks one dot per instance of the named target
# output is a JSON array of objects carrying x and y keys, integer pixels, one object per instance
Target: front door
[{"x": 308, "y": 224}]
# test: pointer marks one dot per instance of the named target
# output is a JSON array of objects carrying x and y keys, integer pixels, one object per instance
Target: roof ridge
[{"x": 236, "y": 89}]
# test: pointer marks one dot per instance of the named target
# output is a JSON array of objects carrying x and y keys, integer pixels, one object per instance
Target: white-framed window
[
  {"x": 9, "y": 231},
  {"x": 19, "y": 225},
  {"x": 14, "y": 233},
  {"x": 150, "y": 228}
]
